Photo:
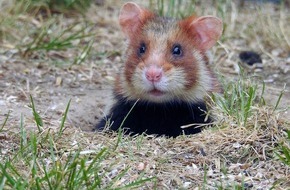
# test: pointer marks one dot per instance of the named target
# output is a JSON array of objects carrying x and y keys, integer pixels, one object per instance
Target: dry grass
[{"x": 231, "y": 155}]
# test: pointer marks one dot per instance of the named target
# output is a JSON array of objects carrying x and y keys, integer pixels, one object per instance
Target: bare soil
[{"x": 89, "y": 85}]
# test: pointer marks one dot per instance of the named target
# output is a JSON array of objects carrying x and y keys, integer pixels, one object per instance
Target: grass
[
  {"x": 37, "y": 118},
  {"x": 239, "y": 99},
  {"x": 5, "y": 121},
  {"x": 37, "y": 36},
  {"x": 284, "y": 149},
  {"x": 53, "y": 6},
  {"x": 249, "y": 144},
  {"x": 176, "y": 9},
  {"x": 47, "y": 166},
  {"x": 44, "y": 41}
]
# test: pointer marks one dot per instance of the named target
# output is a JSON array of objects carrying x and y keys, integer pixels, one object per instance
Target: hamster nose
[{"x": 153, "y": 74}]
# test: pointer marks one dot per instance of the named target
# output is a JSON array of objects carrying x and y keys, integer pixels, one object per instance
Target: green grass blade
[
  {"x": 285, "y": 155},
  {"x": 23, "y": 136},
  {"x": 36, "y": 41},
  {"x": 95, "y": 164},
  {"x": 64, "y": 119},
  {"x": 248, "y": 104},
  {"x": 5, "y": 176},
  {"x": 288, "y": 134},
  {"x": 100, "y": 156},
  {"x": 137, "y": 183},
  {"x": 286, "y": 152},
  {"x": 204, "y": 177},
  {"x": 37, "y": 183},
  {"x": 85, "y": 176},
  {"x": 116, "y": 178},
  {"x": 262, "y": 101},
  {"x": 120, "y": 128},
  {"x": 84, "y": 53},
  {"x": 5, "y": 121},
  {"x": 37, "y": 117},
  {"x": 2, "y": 179},
  {"x": 72, "y": 175},
  {"x": 47, "y": 41},
  {"x": 46, "y": 176},
  {"x": 33, "y": 145},
  {"x": 279, "y": 99}
]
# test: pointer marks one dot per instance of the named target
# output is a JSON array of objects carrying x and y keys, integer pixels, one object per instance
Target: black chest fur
[{"x": 156, "y": 118}]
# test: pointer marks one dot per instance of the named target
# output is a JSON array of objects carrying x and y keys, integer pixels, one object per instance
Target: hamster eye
[
  {"x": 176, "y": 50},
  {"x": 142, "y": 49}
]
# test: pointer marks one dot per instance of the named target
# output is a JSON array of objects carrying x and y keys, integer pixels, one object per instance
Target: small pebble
[{"x": 141, "y": 166}]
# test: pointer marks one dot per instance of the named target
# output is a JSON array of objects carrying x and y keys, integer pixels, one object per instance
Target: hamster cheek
[
  {"x": 176, "y": 80},
  {"x": 139, "y": 81}
]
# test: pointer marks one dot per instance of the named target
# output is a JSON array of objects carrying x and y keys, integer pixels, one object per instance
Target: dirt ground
[
  {"x": 88, "y": 97},
  {"x": 89, "y": 85},
  {"x": 88, "y": 90}
]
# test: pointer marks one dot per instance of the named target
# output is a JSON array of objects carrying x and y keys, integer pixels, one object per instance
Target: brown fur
[
  {"x": 190, "y": 72},
  {"x": 166, "y": 69}
]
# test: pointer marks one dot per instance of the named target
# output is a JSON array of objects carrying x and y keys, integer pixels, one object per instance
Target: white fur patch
[{"x": 172, "y": 84}]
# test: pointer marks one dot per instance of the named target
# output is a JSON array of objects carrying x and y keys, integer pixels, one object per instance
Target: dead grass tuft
[
  {"x": 237, "y": 152},
  {"x": 229, "y": 155}
]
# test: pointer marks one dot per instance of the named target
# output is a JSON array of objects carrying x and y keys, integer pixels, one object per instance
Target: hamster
[{"x": 166, "y": 77}]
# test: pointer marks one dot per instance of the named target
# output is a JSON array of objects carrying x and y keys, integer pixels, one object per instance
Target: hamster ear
[
  {"x": 132, "y": 17},
  {"x": 205, "y": 30}
]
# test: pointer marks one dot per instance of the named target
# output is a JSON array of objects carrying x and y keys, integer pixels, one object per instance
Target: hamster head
[{"x": 166, "y": 58}]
